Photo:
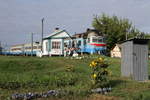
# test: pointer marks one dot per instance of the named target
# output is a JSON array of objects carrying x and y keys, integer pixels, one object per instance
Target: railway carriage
[
  {"x": 24, "y": 49},
  {"x": 90, "y": 42}
]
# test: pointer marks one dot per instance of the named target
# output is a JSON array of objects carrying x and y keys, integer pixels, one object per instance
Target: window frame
[
  {"x": 96, "y": 39},
  {"x": 56, "y": 45}
]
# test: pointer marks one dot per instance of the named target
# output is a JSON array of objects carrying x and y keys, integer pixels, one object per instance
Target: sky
[{"x": 20, "y": 18}]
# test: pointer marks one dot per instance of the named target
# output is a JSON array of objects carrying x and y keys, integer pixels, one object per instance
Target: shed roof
[{"x": 138, "y": 41}]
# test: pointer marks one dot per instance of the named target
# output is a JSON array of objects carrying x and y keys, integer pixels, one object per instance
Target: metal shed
[{"x": 134, "y": 60}]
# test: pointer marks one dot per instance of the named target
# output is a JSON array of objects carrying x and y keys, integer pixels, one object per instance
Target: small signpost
[{"x": 134, "y": 60}]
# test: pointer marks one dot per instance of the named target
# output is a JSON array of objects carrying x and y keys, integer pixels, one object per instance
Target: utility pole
[
  {"x": 126, "y": 36},
  {"x": 31, "y": 44},
  {"x": 42, "y": 34},
  {"x": 23, "y": 50},
  {"x": 0, "y": 48}
]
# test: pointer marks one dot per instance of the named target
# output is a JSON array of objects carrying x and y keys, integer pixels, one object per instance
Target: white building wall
[
  {"x": 45, "y": 52},
  {"x": 116, "y": 52}
]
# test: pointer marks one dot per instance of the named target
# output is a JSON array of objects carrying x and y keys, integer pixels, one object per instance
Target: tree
[{"x": 115, "y": 29}]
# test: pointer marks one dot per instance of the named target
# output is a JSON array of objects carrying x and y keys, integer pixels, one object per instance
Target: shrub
[{"x": 100, "y": 73}]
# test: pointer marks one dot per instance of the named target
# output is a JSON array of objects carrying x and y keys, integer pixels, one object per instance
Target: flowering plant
[{"x": 100, "y": 72}]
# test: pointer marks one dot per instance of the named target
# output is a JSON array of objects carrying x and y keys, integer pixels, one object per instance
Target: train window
[
  {"x": 79, "y": 43},
  {"x": 88, "y": 40},
  {"x": 97, "y": 39},
  {"x": 84, "y": 41},
  {"x": 27, "y": 47},
  {"x": 94, "y": 39},
  {"x": 73, "y": 44},
  {"x": 100, "y": 40},
  {"x": 104, "y": 39}
]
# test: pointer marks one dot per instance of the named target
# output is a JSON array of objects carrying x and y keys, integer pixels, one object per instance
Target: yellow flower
[
  {"x": 101, "y": 59},
  {"x": 90, "y": 65},
  {"x": 93, "y": 64},
  {"x": 94, "y": 75}
]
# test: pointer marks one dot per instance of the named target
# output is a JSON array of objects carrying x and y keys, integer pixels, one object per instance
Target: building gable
[
  {"x": 61, "y": 35},
  {"x": 116, "y": 48},
  {"x": 116, "y": 51}
]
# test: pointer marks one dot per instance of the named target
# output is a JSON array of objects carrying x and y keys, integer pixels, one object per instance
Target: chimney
[{"x": 56, "y": 29}]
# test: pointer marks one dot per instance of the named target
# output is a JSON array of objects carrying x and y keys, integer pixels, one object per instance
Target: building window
[
  {"x": 65, "y": 44},
  {"x": 56, "y": 45},
  {"x": 39, "y": 47},
  {"x": 34, "y": 47},
  {"x": 84, "y": 41}
]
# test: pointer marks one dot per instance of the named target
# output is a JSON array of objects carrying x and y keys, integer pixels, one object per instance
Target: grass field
[{"x": 31, "y": 74}]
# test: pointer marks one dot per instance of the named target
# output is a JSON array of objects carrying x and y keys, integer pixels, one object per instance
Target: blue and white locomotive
[{"x": 90, "y": 42}]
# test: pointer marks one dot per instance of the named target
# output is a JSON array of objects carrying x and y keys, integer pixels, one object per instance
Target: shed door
[
  {"x": 127, "y": 59},
  {"x": 140, "y": 58}
]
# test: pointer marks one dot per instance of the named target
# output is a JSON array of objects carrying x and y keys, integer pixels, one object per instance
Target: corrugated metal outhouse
[{"x": 134, "y": 60}]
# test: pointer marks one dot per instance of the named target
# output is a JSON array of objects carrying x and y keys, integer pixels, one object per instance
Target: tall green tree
[{"x": 114, "y": 29}]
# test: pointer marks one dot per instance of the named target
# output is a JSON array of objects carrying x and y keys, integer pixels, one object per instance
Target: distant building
[
  {"x": 55, "y": 43},
  {"x": 116, "y": 51},
  {"x": 25, "y": 49}
]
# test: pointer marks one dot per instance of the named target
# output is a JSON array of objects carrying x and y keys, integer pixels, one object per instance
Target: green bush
[{"x": 100, "y": 72}]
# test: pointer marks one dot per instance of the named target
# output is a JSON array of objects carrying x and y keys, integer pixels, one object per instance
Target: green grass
[{"x": 31, "y": 74}]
